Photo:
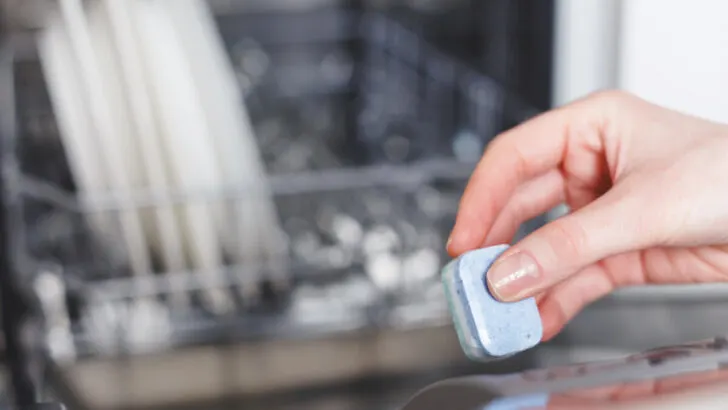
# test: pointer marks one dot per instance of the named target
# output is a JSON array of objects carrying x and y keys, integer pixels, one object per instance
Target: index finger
[{"x": 513, "y": 158}]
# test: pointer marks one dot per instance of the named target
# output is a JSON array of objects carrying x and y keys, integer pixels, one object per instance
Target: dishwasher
[{"x": 368, "y": 132}]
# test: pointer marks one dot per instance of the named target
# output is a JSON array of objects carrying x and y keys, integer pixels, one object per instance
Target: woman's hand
[{"x": 648, "y": 190}]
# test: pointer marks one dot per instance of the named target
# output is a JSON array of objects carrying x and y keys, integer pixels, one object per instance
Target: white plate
[
  {"x": 187, "y": 145},
  {"x": 106, "y": 126},
  {"x": 161, "y": 224},
  {"x": 255, "y": 233},
  {"x": 69, "y": 106}
]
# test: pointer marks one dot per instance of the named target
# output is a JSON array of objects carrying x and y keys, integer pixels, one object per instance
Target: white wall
[
  {"x": 671, "y": 52},
  {"x": 675, "y": 53}
]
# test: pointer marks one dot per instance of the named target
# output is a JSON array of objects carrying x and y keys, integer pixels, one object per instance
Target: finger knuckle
[
  {"x": 610, "y": 97},
  {"x": 613, "y": 104},
  {"x": 568, "y": 238},
  {"x": 610, "y": 110}
]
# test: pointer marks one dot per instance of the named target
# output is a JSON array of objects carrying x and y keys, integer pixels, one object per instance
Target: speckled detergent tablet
[{"x": 487, "y": 328}]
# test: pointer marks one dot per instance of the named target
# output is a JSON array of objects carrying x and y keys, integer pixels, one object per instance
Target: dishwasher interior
[{"x": 368, "y": 119}]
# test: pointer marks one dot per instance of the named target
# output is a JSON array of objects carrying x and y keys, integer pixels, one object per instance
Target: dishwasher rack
[{"x": 368, "y": 133}]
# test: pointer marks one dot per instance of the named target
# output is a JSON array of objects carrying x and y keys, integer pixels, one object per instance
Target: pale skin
[{"x": 648, "y": 190}]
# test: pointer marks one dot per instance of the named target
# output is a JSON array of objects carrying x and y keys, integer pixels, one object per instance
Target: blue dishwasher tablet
[
  {"x": 487, "y": 328},
  {"x": 529, "y": 402}
]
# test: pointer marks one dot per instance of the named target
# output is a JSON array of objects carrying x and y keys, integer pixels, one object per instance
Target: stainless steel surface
[{"x": 644, "y": 317}]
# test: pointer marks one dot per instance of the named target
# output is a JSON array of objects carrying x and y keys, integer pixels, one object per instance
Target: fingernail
[
  {"x": 449, "y": 241},
  {"x": 513, "y": 276}
]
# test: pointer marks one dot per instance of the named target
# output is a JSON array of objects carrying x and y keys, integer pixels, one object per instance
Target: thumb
[{"x": 606, "y": 227}]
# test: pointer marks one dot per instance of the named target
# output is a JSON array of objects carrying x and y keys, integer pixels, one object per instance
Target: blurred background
[{"x": 244, "y": 203}]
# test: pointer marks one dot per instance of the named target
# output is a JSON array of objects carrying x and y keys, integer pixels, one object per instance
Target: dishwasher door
[{"x": 687, "y": 376}]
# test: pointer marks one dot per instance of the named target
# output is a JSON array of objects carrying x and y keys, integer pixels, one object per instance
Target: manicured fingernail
[{"x": 513, "y": 276}]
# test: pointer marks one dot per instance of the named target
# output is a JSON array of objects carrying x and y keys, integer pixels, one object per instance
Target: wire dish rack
[{"x": 368, "y": 134}]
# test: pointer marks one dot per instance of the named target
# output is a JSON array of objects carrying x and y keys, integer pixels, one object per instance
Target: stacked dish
[{"x": 146, "y": 100}]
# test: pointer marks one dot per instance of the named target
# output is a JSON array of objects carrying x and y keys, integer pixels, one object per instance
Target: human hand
[{"x": 648, "y": 191}]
